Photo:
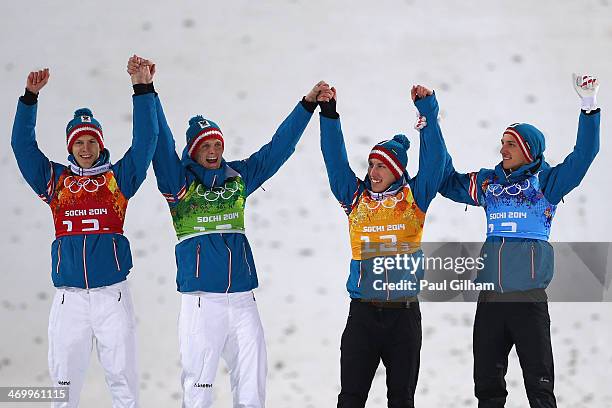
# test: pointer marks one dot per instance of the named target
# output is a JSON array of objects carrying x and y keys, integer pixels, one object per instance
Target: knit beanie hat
[
  {"x": 83, "y": 123},
  {"x": 393, "y": 153},
  {"x": 199, "y": 131},
  {"x": 529, "y": 139}
]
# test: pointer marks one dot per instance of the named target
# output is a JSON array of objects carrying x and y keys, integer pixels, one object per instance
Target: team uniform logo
[
  {"x": 88, "y": 205},
  {"x": 88, "y": 184},
  {"x": 225, "y": 193}
]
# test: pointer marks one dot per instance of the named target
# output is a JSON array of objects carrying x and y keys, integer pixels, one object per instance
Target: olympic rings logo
[
  {"x": 90, "y": 185},
  {"x": 216, "y": 193},
  {"x": 511, "y": 190},
  {"x": 385, "y": 202}
]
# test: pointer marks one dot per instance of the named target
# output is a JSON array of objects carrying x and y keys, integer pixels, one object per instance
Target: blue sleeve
[
  {"x": 131, "y": 170},
  {"x": 344, "y": 184},
  {"x": 460, "y": 187},
  {"x": 432, "y": 152},
  {"x": 264, "y": 163},
  {"x": 169, "y": 171},
  {"x": 40, "y": 173},
  {"x": 557, "y": 181}
]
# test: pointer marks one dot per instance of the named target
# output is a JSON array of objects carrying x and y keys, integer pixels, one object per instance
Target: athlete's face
[
  {"x": 512, "y": 156},
  {"x": 86, "y": 151},
  {"x": 380, "y": 175},
  {"x": 209, "y": 154}
]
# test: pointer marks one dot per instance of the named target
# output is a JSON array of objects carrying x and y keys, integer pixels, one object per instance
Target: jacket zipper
[
  {"x": 198, "y": 261},
  {"x": 59, "y": 257},
  {"x": 499, "y": 264},
  {"x": 532, "y": 262},
  {"x": 85, "y": 262},
  {"x": 245, "y": 257},
  {"x": 229, "y": 268},
  {"x": 115, "y": 251},
  {"x": 360, "y": 272}
]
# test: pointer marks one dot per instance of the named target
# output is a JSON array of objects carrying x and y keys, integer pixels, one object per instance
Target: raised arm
[
  {"x": 461, "y": 187},
  {"x": 131, "y": 170},
  {"x": 342, "y": 180},
  {"x": 169, "y": 171},
  {"x": 264, "y": 163},
  {"x": 36, "y": 169},
  {"x": 563, "y": 178},
  {"x": 432, "y": 150}
]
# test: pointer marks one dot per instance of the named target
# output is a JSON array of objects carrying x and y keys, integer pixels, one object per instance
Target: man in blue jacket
[
  {"x": 216, "y": 272},
  {"x": 90, "y": 255},
  {"x": 386, "y": 214},
  {"x": 520, "y": 197}
]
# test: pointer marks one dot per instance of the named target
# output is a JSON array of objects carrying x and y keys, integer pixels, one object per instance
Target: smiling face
[
  {"x": 86, "y": 151},
  {"x": 512, "y": 155},
  {"x": 380, "y": 175},
  {"x": 209, "y": 154}
]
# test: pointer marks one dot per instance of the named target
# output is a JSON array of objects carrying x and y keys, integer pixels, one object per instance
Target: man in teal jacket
[
  {"x": 386, "y": 215},
  {"x": 216, "y": 272},
  {"x": 520, "y": 197},
  {"x": 90, "y": 256}
]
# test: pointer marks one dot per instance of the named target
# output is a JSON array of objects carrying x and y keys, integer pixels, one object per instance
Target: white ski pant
[
  {"x": 214, "y": 325},
  {"x": 104, "y": 316}
]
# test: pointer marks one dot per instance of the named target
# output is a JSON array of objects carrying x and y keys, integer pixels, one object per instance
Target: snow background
[{"x": 245, "y": 64}]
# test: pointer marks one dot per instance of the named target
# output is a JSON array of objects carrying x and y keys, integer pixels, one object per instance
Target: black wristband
[
  {"x": 309, "y": 106},
  {"x": 29, "y": 98},
  {"x": 591, "y": 112},
  {"x": 141, "y": 89},
  {"x": 328, "y": 109}
]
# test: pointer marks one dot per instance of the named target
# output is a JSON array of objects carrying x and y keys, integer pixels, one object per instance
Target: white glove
[
  {"x": 421, "y": 122},
  {"x": 586, "y": 87}
]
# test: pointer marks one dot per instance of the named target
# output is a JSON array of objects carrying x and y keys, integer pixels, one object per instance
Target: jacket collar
[
  {"x": 392, "y": 190},
  {"x": 522, "y": 172},
  {"x": 102, "y": 165}
]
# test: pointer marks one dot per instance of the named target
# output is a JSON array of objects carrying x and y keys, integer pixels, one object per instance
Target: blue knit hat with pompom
[
  {"x": 201, "y": 129},
  {"x": 393, "y": 153},
  {"x": 83, "y": 123}
]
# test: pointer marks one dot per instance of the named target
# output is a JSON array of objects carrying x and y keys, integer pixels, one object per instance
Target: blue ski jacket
[
  {"x": 220, "y": 262},
  {"x": 87, "y": 260},
  {"x": 513, "y": 262},
  {"x": 348, "y": 188}
]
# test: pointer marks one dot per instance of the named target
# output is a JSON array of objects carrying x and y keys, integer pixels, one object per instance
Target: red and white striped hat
[
  {"x": 393, "y": 153},
  {"x": 82, "y": 124},
  {"x": 514, "y": 131}
]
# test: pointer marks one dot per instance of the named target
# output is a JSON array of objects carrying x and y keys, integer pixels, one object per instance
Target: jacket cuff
[
  {"x": 141, "y": 89},
  {"x": 427, "y": 105},
  {"x": 328, "y": 109},
  {"x": 309, "y": 106},
  {"x": 29, "y": 98}
]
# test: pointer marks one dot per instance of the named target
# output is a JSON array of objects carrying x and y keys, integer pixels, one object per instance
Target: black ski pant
[
  {"x": 373, "y": 333},
  {"x": 497, "y": 327}
]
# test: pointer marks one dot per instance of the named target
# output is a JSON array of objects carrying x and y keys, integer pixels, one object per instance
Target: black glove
[
  {"x": 29, "y": 98},
  {"x": 328, "y": 109},
  {"x": 309, "y": 106},
  {"x": 141, "y": 89}
]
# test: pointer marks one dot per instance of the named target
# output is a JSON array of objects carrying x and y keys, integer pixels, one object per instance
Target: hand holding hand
[
  {"x": 37, "y": 80},
  {"x": 327, "y": 95},
  {"x": 314, "y": 92},
  {"x": 136, "y": 65}
]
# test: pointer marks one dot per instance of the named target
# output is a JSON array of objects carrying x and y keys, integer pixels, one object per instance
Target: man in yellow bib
[{"x": 386, "y": 212}]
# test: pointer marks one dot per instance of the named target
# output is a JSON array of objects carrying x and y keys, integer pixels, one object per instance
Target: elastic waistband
[
  {"x": 533, "y": 295},
  {"x": 404, "y": 303},
  {"x": 233, "y": 297},
  {"x": 118, "y": 285}
]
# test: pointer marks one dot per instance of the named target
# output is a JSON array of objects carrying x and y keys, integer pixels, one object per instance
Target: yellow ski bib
[{"x": 393, "y": 225}]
